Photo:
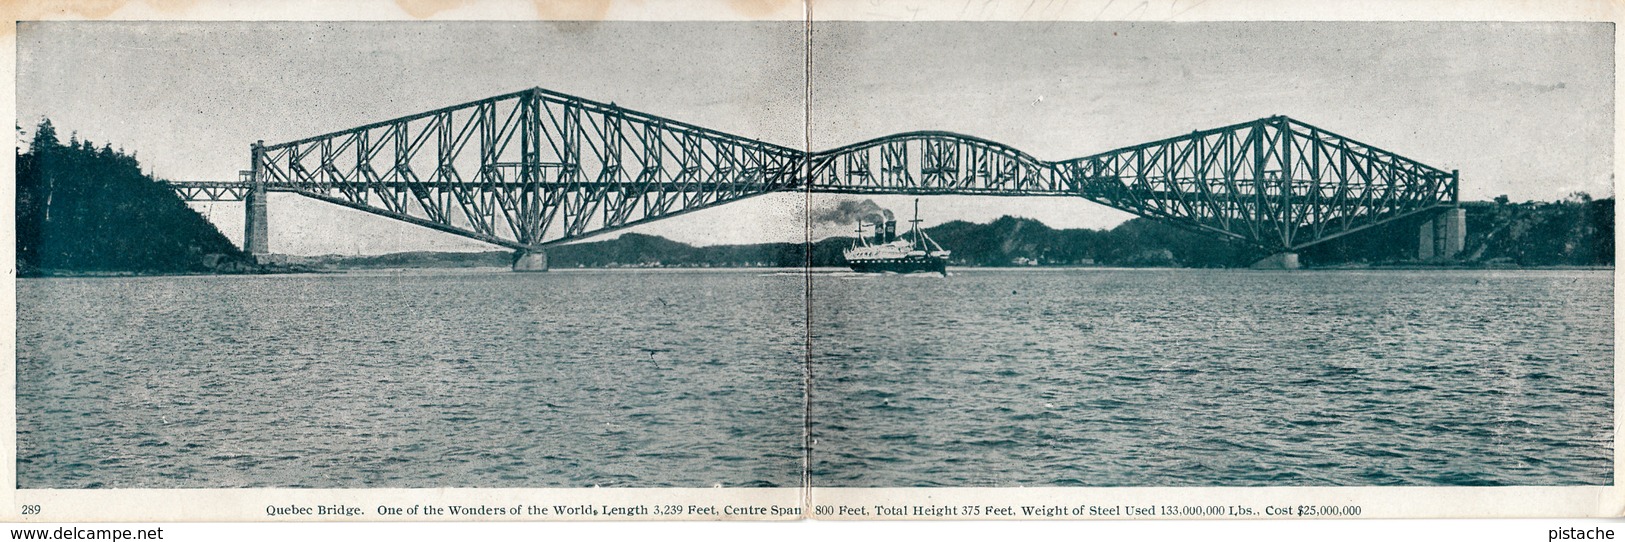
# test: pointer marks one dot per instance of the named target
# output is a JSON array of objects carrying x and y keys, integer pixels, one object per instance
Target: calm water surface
[
  {"x": 694, "y": 378},
  {"x": 1205, "y": 377},
  {"x": 412, "y": 379}
]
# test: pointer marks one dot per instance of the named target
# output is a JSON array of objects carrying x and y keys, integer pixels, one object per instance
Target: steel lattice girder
[
  {"x": 1277, "y": 183},
  {"x": 535, "y": 168},
  {"x": 210, "y": 191},
  {"x": 934, "y": 163},
  {"x": 527, "y": 169}
]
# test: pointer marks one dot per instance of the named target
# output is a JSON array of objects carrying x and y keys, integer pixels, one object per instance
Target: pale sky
[{"x": 1523, "y": 109}]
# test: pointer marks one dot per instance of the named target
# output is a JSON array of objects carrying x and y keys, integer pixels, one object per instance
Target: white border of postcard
[{"x": 302, "y": 505}]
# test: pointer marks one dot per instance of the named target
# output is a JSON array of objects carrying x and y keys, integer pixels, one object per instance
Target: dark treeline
[
  {"x": 1573, "y": 231},
  {"x": 1008, "y": 241},
  {"x": 1137, "y": 243},
  {"x": 86, "y": 209},
  {"x": 634, "y": 249}
]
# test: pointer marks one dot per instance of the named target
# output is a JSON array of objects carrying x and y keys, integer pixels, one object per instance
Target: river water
[{"x": 690, "y": 378}]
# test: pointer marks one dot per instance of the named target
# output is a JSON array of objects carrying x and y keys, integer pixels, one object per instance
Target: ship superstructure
[{"x": 885, "y": 252}]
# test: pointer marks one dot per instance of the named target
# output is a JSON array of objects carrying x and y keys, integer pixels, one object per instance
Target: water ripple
[{"x": 1208, "y": 377}]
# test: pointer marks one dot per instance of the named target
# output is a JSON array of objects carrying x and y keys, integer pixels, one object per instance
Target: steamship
[{"x": 886, "y": 253}]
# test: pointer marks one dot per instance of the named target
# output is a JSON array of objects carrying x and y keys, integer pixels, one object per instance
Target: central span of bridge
[{"x": 535, "y": 168}]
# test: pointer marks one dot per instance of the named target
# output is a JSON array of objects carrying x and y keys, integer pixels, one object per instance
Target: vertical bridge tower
[{"x": 256, "y": 222}]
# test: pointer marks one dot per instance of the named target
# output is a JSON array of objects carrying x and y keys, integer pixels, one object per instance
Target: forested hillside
[
  {"x": 83, "y": 209},
  {"x": 1576, "y": 230}
]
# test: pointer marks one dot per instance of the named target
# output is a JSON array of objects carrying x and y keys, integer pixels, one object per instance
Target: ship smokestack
[
  {"x": 880, "y": 233},
  {"x": 891, "y": 230}
]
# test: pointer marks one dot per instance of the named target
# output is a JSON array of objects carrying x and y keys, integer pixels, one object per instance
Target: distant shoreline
[
  {"x": 72, "y": 274},
  {"x": 822, "y": 269}
]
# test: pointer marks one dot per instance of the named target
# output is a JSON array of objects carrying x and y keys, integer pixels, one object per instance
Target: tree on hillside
[{"x": 80, "y": 208}]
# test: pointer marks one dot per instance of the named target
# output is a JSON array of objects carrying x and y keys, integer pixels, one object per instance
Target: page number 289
[{"x": 30, "y": 509}]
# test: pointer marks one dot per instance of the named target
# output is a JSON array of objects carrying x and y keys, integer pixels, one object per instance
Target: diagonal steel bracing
[
  {"x": 534, "y": 168},
  {"x": 526, "y": 169},
  {"x": 1276, "y": 182}
]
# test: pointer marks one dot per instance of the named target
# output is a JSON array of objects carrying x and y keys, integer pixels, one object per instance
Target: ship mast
[{"x": 916, "y": 223}]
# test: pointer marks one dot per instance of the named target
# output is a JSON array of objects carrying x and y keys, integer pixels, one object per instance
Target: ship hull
[{"x": 899, "y": 265}]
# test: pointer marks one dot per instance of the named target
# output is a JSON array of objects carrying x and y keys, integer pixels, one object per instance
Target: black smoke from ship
[{"x": 848, "y": 211}]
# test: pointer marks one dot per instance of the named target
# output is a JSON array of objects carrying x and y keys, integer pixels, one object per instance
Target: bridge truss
[{"x": 535, "y": 168}]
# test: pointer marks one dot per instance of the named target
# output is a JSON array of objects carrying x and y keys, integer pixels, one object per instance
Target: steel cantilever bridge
[{"x": 535, "y": 168}]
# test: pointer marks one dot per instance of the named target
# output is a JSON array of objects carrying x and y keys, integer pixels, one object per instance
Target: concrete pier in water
[
  {"x": 1443, "y": 236},
  {"x": 256, "y": 231},
  {"x": 1279, "y": 260},
  {"x": 256, "y": 220},
  {"x": 525, "y": 261}
]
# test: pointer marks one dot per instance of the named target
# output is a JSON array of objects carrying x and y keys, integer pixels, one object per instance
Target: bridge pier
[
  {"x": 1279, "y": 260},
  {"x": 256, "y": 231},
  {"x": 529, "y": 261},
  {"x": 1443, "y": 236},
  {"x": 256, "y": 222}
]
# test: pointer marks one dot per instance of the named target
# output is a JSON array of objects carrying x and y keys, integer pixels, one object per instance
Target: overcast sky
[{"x": 1523, "y": 109}]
